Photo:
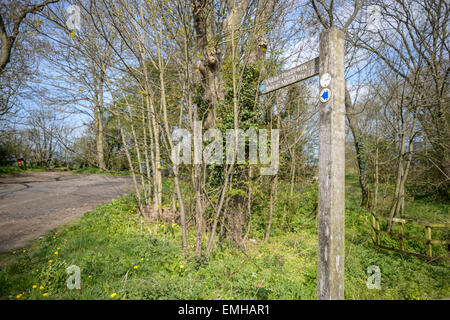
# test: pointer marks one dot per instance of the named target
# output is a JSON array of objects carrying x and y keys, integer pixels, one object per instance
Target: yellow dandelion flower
[
  {"x": 34, "y": 286},
  {"x": 54, "y": 237},
  {"x": 19, "y": 296},
  {"x": 90, "y": 277},
  {"x": 45, "y": 294},
  {"x": 136, "y": 267},
  {"x": 37, "y": 270},
  {"x": 41, "y": 288},
  {"x": 24, "y": 250},
  {"x": 50, "y": 261},
  {"x": 57, "y": 248},
  {"x": 181, "y": 266},
  {"x": 56, "y": 252},
  {"x": 113, "y": 295}
]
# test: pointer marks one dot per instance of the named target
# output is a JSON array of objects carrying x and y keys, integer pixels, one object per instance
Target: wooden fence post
[
  {"x": 402, "y": 244},
  {"x": 376, "y": 230},
  {"x": 428, "y": 237}
]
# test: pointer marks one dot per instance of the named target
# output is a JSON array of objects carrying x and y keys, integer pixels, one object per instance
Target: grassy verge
[
  {"x": 99, "y": 171},
  {"x": 7, "y": 170},
  {"x": 120, "y": 258},
  {"x": 12, "y": 170}
]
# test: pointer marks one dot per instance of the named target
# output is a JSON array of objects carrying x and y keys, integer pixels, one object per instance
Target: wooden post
[
  {"x": 330, "y": 273},
  {"x": 376, "y": 230},
  {"x": 428, "y": 237},
  {"x": 402, "y": 244}
]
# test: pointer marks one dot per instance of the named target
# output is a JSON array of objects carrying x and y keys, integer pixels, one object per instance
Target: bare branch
[{"x": 358, "y": 5}]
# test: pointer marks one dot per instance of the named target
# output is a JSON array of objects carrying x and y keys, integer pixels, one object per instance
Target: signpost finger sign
[{"x": 302, "y": 72}]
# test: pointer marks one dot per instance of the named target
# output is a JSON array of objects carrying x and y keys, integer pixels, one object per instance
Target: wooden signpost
[
  {"x": 330, "y": 66},
  {"x": 302, "y": 72}
]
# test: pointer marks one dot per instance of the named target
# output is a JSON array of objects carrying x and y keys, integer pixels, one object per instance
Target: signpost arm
[{"x": 331, "y": 169}]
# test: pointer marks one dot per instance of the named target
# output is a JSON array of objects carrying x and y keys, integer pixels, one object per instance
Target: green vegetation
[
  {"x": 11, "y": 170},
  {"x": 144, "y": 261},
  {"x": 89, "y": 170},
  {"x": 4, "y": 171}
]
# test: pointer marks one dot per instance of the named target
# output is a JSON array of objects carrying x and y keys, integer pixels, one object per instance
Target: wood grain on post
[
  {"x": 374, "y": 228},
  {"x": 331, "y": 169},
  {"x": 402, "y": 243},
  {"x": 428, "y": 237},
  {"x": 378, "y": 230}
]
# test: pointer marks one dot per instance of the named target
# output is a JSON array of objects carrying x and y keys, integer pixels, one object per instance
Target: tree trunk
[
  {"x": 98, "y": 118},
  {"x": 130, "y": 163},
  {"x": 398, "y": 202},
  {"x": 360, "y": 150},
  {"x": 209, "y": 65},
  {"x": 273, "y": 191},
  {"x": 258, "y": 41},
  {"x": 198, "y": 196},
  {"x": 377, "y": 165}
]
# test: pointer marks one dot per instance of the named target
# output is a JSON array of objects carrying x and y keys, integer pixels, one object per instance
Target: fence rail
[{"x": 401, "y": 223}]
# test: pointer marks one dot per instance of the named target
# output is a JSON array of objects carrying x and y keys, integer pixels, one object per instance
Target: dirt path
[{"x": 34, "y": 202}]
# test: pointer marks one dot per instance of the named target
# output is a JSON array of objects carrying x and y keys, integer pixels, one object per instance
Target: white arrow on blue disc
[{"x": 325, "y": 95}]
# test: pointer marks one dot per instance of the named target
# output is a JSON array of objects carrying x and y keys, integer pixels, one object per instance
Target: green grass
[
  {"x": 13, "y": 170},
  {"x": 435, "y": 211},
  {"x": 89, "y": 170},
  {"x": 108, "y": 242},
  {"x": 9, "y": 170}
]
